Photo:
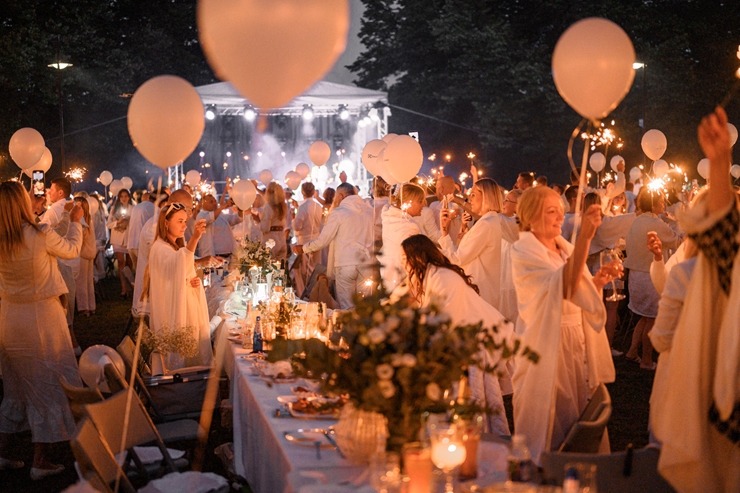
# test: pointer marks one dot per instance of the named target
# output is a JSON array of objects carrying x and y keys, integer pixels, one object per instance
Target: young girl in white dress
[{"x": 175, "y": 291}]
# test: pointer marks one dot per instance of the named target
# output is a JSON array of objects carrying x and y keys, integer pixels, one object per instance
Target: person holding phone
[
  {"x": 118, "y": 222},
  {"x": 35, "y": 347}
]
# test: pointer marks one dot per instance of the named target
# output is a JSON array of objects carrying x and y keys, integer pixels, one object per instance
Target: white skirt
[{"x": 35, "y": 350}]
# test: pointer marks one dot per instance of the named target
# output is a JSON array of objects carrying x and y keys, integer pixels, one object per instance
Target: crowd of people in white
[{"x": 525, "y": 256}]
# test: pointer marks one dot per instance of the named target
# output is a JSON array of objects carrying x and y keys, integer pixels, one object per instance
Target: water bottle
[
  {"x": 571, "y": 481},
  {"x": 520, "y": 460},
  {"x": 257, "y": 337}
]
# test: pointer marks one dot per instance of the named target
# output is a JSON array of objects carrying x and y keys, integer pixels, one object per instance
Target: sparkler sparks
[{"x": 76, "y": 175}]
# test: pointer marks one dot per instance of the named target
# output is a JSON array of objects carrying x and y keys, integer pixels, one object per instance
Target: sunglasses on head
[{"x": 175, "y": 206}]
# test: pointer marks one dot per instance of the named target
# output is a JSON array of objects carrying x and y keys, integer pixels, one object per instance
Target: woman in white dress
[
  {"x": 85, "y": 292},
  {"x": 434, "y": 280},
  {"x": 176, "y": 294},
  {"x": 274, "y": 221},
  {"x": 35, "y": 345},
  {"x": 407, "y": 202},
  {"x": 479, "y": 251},
  {"x": 118, "y": 220},
  {"x": 561, "y": 317}
]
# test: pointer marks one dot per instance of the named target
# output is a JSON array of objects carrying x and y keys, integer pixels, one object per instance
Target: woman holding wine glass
[{"x": 561, "y": 316}]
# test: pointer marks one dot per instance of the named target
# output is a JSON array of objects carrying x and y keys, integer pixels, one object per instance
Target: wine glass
[
  {"x": 448, "y": 450},
  {"x": 612, "y": 256}
]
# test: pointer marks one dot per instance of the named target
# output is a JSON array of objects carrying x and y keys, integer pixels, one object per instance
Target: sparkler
[{"x": 76, "y": 175}]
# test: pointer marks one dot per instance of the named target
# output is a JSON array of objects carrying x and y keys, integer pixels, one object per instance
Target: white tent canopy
[{"x": 325, "y": 97}]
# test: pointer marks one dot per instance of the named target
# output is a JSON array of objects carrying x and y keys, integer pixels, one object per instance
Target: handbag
[{"x": 89, "y": 249}]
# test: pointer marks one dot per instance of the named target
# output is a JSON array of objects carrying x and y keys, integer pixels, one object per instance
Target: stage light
[
  {"x": 211, "y": 112},
  {"x": 307, "y": 112},
  {"x": 250, "y": 114},
  {"x": 343, "y": 112}
]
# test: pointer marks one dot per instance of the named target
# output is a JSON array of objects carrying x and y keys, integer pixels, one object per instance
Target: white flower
[
  {"x": 392, "y": 323},
  {"x": 434, "y": 393},
  {"x": 407, "y": 313},
  {"x": 363, "y": 339},
  {"x": 270, "y": 243},
  {"x": 438, "y": 319},
  {"x": 408, "y": 360},
  {"x": 396, "y": 360},
  {"x": 375, "y": 335},
  {"x": 387, "y": 389},
  {"x": 384, "y": 371},
  {"x": 378, "y": 316}
]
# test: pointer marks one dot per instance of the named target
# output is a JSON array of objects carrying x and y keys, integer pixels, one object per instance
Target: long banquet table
[{"x": 264, "y": 457}]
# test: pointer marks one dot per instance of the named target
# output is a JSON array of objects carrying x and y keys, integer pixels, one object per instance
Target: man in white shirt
[
  {"x": 140, "y": 214},
  {"x": 348, "y": 234},
  {"x": 306, "y": 227},
  {"x": 217, "y": 239},
  {"x": 57, "y": 217}
]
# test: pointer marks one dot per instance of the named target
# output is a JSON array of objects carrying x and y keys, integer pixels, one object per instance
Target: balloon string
[
  {"x": 579, "y": 200},
  {"x": 730, "y": 94},
  {"x": 576, "y": 133}
]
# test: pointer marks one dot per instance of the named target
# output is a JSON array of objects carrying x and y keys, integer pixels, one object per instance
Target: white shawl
[{"x": 539, "y": 287}]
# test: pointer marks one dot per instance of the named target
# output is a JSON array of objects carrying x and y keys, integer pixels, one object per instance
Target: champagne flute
[{"x": 612, "y": 256}]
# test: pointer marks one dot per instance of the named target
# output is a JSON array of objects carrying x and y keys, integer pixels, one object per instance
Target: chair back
[
  {"x": 97, "y": 464},
  {"x": 587, "y": 433},
  {"x": 620, "y": 472},
  {"x": 114, "y": 379},
  {"x": 126, "y": 348},
  {"x": 79, "y": 397},
  {"x": 108, "y": 417}
]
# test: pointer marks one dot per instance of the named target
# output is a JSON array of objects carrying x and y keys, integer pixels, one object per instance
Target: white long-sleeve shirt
[
  {"x": 479, "y": 253},
  {"x": 348, "y": 234},
  {"x": 307, "y": 222}
]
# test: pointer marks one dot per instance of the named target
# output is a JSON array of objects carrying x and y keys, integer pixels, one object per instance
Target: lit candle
[
  {"x": 417, "y": 461},
  {"x": 448, "y": 454}
]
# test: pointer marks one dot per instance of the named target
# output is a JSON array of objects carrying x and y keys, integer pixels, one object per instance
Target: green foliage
[
  {"x": 486, "y": 65},
  {"x": 398, "y": 360}
]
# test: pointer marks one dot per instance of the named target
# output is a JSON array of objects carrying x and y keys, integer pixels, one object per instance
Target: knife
[{"x": 333, "y": 442}]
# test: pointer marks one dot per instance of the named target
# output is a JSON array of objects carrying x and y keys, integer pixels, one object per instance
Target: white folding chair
[{"x": 95, "y": 460}]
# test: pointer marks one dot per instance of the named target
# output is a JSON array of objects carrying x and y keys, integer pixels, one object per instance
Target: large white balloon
[
  {"x": 370, "y": 154},
  {"x": 243, "y": 193},
  {"x": 265, "y": 176},
  {"x": 127, "y": 182},
  {"x": 43, "y": 164},
  {"x": 26, "y": 147},
  {"x": 614, "y": 162},
  {"x": 383, "y": 171},
  {"x": 94, "y": 205},
  {"x": 272, "y": 50},
  {"x": 592, "y": 66},
  {"x": 166, "y": 120},
  {"x": 92, "y": 363},
  {"x": 115, "y": 187},
  {"x": 403, "y": 158},
  {"x": 106, "y": 177},
  {"x": 389, "y": 137},
  {"x": 303, "y": 170},
  {"x": 635, "y": 174},
  {"x": 660, "y": 168},
  {"x": 703, "y": 168},
  {"x": 319, "y": 152},
  {"x": 735, "y": 171},
  {"x": 733, "y": 133},
  {"x": 293, "y": 180},
  {"x": 193, "y": 177},
  {"x": 597, "y": 161},
  {"x": 654, "y": 144}
]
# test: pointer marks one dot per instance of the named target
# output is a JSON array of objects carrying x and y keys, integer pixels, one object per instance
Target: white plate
[
  {"x": 308, "y": 437},
  {"x": 285, "y": 399}
]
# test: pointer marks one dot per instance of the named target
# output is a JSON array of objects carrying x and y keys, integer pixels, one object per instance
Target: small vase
[{"x": 360, "y": 434}]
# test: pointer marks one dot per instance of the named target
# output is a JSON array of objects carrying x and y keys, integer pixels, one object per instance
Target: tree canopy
[{"x": 486, "y": 65}]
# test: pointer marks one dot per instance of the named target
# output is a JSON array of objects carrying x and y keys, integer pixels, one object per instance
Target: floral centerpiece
[
  {"x": 398, "y": 360},
  {"x": 249, "y": 254},
  {"x": 279, "y": 314}
]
